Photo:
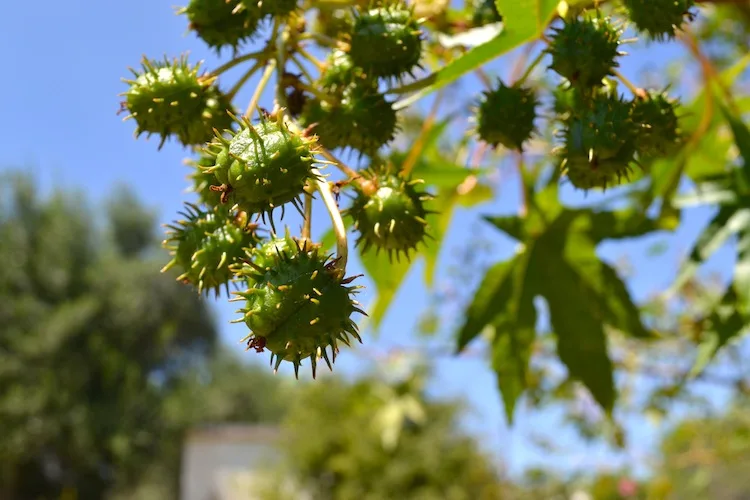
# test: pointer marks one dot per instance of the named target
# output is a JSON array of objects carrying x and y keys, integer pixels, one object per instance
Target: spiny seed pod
[
  {"x": 264, "y": 256},
  {"x": 222, "y": 23},
  {"x": 275, "y": 8},
  {"x": 506, "y": 116},
  {"x": 171, "y": 98},
  {"x": 298, "y": 307},
  {"x": 584, "y": 50},
  {"x": 262, "y": 166},
  {"x": 340, "y": 73},
  {"x": 659, "y": 19},
  {"x": 362, "y": 120},
  {"x": 599, "y": 143},
  {"x": 658, "y": 126},
  {"x": 202, "y": 181},
  {"x": 389, "y": 212},
  {"x": 386, "y": 41},
  {"x": 206, "y": 244}
]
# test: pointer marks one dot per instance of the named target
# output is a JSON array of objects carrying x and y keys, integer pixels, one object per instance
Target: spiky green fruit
[
  {"x": 340, "y": 73},
  {"x": 298, "y": 307},
  {"x": 223, "y": 23},
  {"x": 263, "y": 166},
  {"x": 386, "y": 41},
  {"x": 203, "y": 181},
  {"x": 362, "y": 119},
  {"x": 206, "y": 244},
  {"x": 659, "y": 19},
  {"x": 171, "y": 98},
  {"x": 389, "y": 212},
  {"x": 658, "y": 126},
  {"x": 265, "y": 255},
  {"x": 275, "y": 8},
  {"x": 584, "y": 50},
  {"x": 506, "y": 116},
  {"x": 599, "y": 142}
]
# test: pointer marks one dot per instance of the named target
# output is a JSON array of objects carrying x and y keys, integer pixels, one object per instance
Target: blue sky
[{"x": 64, "y": 62}]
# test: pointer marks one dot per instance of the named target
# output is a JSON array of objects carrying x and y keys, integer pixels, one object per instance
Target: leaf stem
[
  {"x": 351, "y": 173},
  {"x": 242, "y": 81},
  {"x": 270, "y": 66},
  {"x": 322, "y": 39},
  {"x": 418, "y": 145},
  {"x": 530, "y": 68},
  {"x": 239, "y": 60},
  {"x": 307, "y": 226},
  {"x": 637, "y": 92},
  {"x": 318, "y": 64}
]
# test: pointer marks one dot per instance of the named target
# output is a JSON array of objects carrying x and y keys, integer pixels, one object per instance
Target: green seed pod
[
  {"x": 599, "y": 142},
  {"x": 340, "y": 73},
  {"x": 172, "y": 99},
  {"x": 389, "y": 212},
  {"x": 206, "y": 245},
  {"x": 386, "y": 41},
  {"x": 584, "y": 50},
  {"x": 658, "y": 126},
  {"x": 298, "y": 307},
  {"x": 362, "y": 120},
  {"x": 506, "y": 116},
  {"x": 659, "y": 19},
  {"x": 263, "y": 166},
  {"x": 202, "y": 181},
  {"x": 264, "y": 256},
  {"x": 223, "y": 23}
]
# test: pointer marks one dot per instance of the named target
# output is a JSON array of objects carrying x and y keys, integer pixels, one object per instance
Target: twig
[
  {"x": 416, "y": 149},
  {"x": 270, "y": 67}
]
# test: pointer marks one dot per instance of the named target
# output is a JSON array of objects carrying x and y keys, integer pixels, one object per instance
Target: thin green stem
[
  {"x": 239, "y": 60},
  {"x": 302, "y": 68},
  {"x": 531, "y": 68},
  {"x": 270, "y": 66},
  {"x": 318, "y": 64},
  {"x": 638, "y": 92},
  {"x": 322, "y": 39},
  {"x": 242, "y": 81},
  {"x": 307, "y": 226}
]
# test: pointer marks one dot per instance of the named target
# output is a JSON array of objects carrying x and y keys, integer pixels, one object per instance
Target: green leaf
[
  {"x": 742, "y": 270},
  {"x": 725, "y": 323},
  {"x": 494, "y": 291},
  {"x": 523, "y": 21},
  {"x": 708, "y": 193},
  {"x": 515, "y": 332},
  {"x": 621, "y": 224},
  {"x": 581, "y": 341},
  {"x": 387, "y": 277},
  {"x": 726, "y": 222},
  {"x": 742, "y": 140},
  {"x": 512, "y": 225}
]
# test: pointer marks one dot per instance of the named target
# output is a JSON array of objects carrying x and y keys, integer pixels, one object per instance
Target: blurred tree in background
[
  {"x": 104, "y": 361},
  {"x": 377, "y": 438}
]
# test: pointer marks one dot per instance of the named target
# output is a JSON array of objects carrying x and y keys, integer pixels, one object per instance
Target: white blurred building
[{"x": 228, "y": 462}]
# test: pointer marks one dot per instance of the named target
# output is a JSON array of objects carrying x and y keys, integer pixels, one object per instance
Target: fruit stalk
[{"x": 339, "y": 229}]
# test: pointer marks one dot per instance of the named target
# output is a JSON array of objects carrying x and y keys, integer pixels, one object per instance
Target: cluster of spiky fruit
[
  {"x": 604, "y": 134},
  {"x": 297, "y": 301}
]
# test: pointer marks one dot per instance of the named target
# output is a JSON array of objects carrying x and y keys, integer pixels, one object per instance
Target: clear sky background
[{"x": 63, "y": 65}]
